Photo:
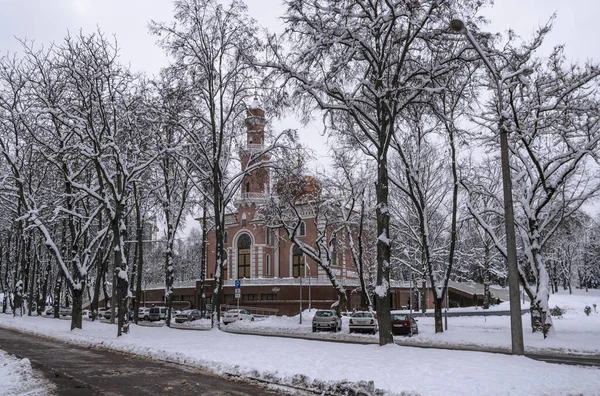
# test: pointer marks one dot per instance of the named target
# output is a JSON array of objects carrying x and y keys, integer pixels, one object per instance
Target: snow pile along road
[
  {"x": 18, "y": 378},
  {"x": 322, "y": 365}
]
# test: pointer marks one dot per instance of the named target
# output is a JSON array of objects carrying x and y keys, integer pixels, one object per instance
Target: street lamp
[{"x": 516, "y": 328}]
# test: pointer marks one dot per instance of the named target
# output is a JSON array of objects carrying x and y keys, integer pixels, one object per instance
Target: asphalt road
[{"x": 81, "y": 371}]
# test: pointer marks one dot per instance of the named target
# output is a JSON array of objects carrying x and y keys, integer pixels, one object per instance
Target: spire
[{"x": 255, "y": 102}]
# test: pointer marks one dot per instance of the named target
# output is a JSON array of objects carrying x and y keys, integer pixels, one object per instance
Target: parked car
[
  {"x": 65, "y": 311},
  {"x": 101, "y": 312},
  {"x": 187, "y": 316},
  {"x": 237, "y": 314},
  {"x": 363, "y": 321},
  {"x": 107, "y": 314},
  {"x": 157, "y": 313},
  {"x": 404, "y": 324},
  {"x": 143, "y": 313},
  {"x": 326, "y": 319}
]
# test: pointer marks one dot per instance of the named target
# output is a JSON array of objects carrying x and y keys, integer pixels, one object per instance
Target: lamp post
[
  {"x": 516, "y": 328},
  {"x": 309, "y": 296},
  {"x": 300, "y": 297}
]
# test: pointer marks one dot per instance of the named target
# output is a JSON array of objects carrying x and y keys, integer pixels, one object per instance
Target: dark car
[
  {"x": 187, "y": 316},
  {"x": 404, "y": 324},
  {"x": 326, "y": 319}
]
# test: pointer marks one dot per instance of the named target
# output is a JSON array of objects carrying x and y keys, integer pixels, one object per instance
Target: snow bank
[{"x": 18, "y": 378}]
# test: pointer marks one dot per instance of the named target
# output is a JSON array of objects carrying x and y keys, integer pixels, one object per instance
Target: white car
[
  {"x": 237, "y": 314},
  {"x": 143, "y": 313},
  {"x": 363, "y": 321}
]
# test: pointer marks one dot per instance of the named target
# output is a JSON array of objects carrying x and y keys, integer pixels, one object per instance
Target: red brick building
[{"x": 276, "y": 277}]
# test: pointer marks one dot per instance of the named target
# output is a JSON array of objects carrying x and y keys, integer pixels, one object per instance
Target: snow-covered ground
[
  {"x": 393, "y": 368},
  {"x": 18, "y": 378}
]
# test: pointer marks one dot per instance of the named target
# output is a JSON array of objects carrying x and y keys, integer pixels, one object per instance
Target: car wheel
[
  {"x": 252, "y": 319},
  {"x": 314, "y": 329},
  {"x": 146, "y": 318},
  {"x": 350, "y": 331}
]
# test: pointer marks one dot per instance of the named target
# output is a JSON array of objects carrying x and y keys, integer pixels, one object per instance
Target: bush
[
  {"x": 587, "y": 310},
  {"x": 557, "y": 312}
]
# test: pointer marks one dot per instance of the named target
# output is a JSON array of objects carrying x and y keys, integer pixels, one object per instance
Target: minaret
[{"x": 255, "y": 186}]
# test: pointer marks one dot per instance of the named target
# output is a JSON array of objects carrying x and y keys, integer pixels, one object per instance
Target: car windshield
[
  {"x": 399, "y": 317},
  {"x": 186, "y": 312},
  {"x": 234, "y": 311},
  {"x": 362, "y": 315},
  {"x": 324, "y": 314}
]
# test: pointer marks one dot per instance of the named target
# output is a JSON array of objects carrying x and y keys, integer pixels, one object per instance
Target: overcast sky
[{"x": 46, "y": 21}]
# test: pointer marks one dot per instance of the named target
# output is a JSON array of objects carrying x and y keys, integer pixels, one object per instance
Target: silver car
[
  {"x": 364, "y": 321},
  {"x": 326, "y": 319},
  {"x": 234, "y": 315}
]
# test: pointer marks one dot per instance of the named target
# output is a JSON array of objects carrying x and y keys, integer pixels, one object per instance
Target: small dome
[
  {"x": 255, "y": 102},
  {"x": 302, "y": 187}
]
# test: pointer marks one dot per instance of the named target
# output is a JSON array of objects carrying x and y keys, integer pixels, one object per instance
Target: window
[
  {"x": 297, "y": 262},
  {"x": 250, "y": 297},
  {"x": 302, "y": 230},
  {"x": 225, "y": 237},
  {"x": 247, "y": 187},
  {"x": 270, "y": 296},
  {"x": 268, "y": 236},
  {"x": 244, "y": 256},
  {"x": 244, "y": 220},
  {"x": 268, "y": 265}
]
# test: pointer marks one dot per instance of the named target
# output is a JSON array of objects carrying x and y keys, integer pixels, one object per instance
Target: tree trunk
[
  {"x": 30, "y": 298},
  {"x": 44, "y": 293},
  {"x": 539, "y": 319},
  {"x": 76, "y": 313},
  {"x": 486, "y": 278},
  {"x": 120, "y": 269},
  {"x": 140, "y": 252},
  {"x": 203, "y": 261},
  {"x": 57, "y": 293},
  {"x": 382, "y": 288},
  {"x": 438, "y": 302},
  {"x": 424, "y": 297}
]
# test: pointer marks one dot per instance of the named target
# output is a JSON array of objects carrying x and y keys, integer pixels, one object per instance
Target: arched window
[
  {"x": 225, "y": 237},
  {"x": 302, "y": 230},
  {"x": 268, "y": 265},
  {"x": 243, "y": 246},
  {"x": 298, "y": 262}
]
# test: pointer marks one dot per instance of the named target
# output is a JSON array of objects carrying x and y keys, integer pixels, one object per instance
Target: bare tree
[
  {"x": 555, "y": 134},
  {"x": 213, "y": 47},
  {"x": 364, "y": 63}
]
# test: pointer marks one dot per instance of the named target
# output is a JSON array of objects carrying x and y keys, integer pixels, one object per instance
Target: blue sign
[{"x": 237, "y": 283}]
